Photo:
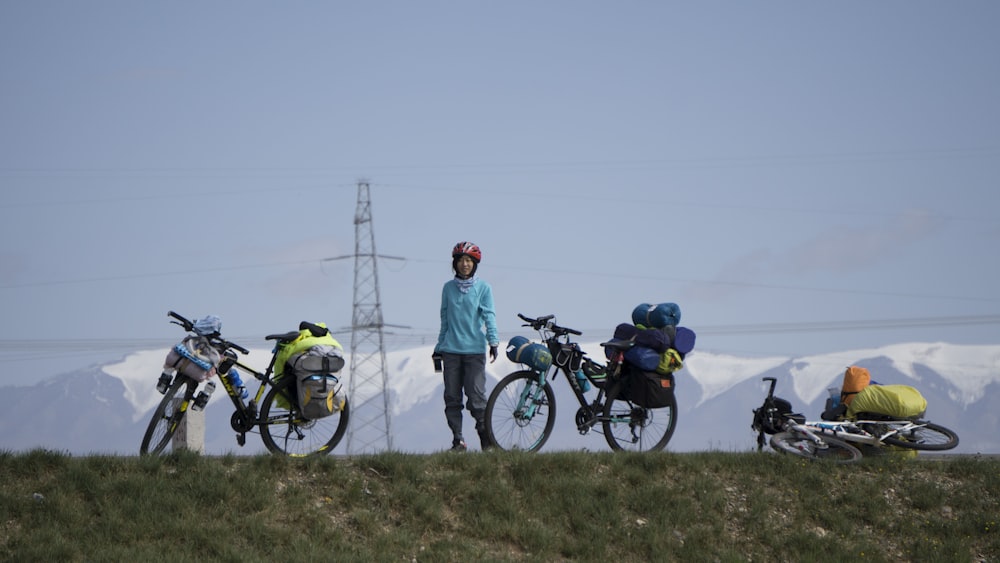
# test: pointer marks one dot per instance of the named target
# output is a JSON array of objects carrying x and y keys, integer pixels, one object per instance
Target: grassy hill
[{"x": 496, "y": 506}]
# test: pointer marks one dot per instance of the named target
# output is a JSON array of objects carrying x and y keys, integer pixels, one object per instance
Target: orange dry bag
[{"x": 855, "y": 379}]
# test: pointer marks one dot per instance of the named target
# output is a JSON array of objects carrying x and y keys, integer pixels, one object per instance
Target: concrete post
[{"x": 190, "y": 434}]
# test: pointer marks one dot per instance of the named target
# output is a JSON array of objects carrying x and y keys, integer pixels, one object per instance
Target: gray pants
[{"x": 464, "y": 372}]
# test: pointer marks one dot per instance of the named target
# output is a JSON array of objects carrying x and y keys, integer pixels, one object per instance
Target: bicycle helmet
[{"x": 469, "y": 249}]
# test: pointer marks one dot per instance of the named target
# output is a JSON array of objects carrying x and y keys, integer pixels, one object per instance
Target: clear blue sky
[{"x": 795, "y": 165}]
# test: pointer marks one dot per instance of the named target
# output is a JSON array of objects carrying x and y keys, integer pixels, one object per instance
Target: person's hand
[{"x": 493, "y": 353}]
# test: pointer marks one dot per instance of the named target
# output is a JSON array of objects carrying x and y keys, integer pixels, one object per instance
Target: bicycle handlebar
[
  {"x": 546, "y": 322},
  {"x": 773, "y": 380},
  {"x": 189, "y": 326}
]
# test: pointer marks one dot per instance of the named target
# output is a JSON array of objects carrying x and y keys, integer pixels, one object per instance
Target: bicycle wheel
[
  {"x": 520, "y": 414},
  {"x": 285, "y": 431},
  {"x": 831, "y": 449},
  {"x": 630, "y": 427},
  {"x": 928, "y": 436},
  {"x": 167, "y": 416}
]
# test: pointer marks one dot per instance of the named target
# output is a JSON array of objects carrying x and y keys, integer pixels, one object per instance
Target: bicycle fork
[{"x": 530, "y": 399}]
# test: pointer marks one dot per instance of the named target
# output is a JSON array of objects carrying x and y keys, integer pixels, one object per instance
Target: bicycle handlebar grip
[{"x": 188, "y": 325}]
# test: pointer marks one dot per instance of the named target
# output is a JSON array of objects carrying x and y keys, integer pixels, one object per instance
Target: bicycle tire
[
  {"x": 928, "y": 437},
  {"x": 285, "y": 431},
  {"x": 834, "y": 450},
  {"x": 510, "y": 430},
  {"x": 165, "y": 420},
  {"x": 629, "y": 427}
]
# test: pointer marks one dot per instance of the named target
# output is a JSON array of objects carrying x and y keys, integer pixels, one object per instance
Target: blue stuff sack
[
  {"x": 643, "y": 358},
  {"x": 684, "y": 340},
  {"x": 653, "y": 338},
  {"x": 520, "y": 350},
  {"x": 656, "y": 316}
]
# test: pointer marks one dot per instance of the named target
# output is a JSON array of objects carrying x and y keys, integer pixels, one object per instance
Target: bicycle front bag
[
  {"x": 520, "y": 350},
  {"x": 770, "y": 418},
  {"x": 194, "y": 357},
  {"x": 568, "y": 355}
]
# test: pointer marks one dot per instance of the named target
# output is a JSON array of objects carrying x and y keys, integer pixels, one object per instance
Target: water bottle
[
  {"x": 202, "y": 399},
  {"x": 582, "y": 381},
  {"x": 166, "y": 378},
  {"x": 833, "y": 401},
  {"x": 234, "y": 379}
]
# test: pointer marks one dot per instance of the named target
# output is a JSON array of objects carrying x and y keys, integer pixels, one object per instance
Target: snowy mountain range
[{"x": 105, "y": 408}]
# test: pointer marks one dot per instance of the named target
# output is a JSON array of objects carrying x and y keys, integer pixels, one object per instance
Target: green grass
[{"x": 496, "y": 506}]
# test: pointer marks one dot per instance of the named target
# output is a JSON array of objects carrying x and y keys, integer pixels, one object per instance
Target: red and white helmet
[{"x": 468, "y": 249}]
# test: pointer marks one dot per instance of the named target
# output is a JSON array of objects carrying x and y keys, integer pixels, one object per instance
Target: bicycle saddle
[{"x": 283, "y": 337}]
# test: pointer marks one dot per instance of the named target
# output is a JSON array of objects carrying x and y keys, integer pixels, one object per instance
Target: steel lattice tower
[{"x": 368, "y": 396}]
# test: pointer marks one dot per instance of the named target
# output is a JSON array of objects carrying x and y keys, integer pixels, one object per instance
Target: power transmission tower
[{"x": 368, "y": 396}]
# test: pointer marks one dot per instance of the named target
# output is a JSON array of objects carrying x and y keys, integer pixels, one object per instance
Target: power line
[
  {"x": 711, "y": 161},
  {"x": 562, "y": 271},
  {"x": 132, "y": 344},
  {"x": 870, "y": 324}
]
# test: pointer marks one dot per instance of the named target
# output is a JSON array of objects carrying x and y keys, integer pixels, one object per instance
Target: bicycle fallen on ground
[
  {"x": 274, "y": 411},
  {"x": 840, "y": 441},
  {"x": 521, "y": 410}
]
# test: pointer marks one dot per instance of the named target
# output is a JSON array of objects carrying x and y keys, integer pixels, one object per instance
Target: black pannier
[{"x": 646, "y": 388}]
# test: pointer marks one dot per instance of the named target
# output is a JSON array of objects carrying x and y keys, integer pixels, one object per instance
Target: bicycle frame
[
  {"x": 853, "y": 431},
  {"x": 592, "y": 410},
  {"x": 543, "y": 378},
  {"x": 775, "y": 417},
  {"x": 245, "y": 417}
]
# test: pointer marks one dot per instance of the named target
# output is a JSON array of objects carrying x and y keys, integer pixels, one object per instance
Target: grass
[{"x": 496, "y": 506}]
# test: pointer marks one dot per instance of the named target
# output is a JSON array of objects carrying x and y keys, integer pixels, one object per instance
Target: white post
[{"x": 190, "y": 434}]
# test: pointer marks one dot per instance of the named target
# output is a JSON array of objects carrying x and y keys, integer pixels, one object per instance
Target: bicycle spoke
[
  {"x": 284, "y": 430},
  {"x": 632, "y": 428},
  {"x": 520, "y": 413},
  {"x": 166, "y": 417}
]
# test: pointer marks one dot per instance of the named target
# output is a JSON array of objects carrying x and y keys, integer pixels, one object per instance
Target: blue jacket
[{"x": 463, "y": 316}]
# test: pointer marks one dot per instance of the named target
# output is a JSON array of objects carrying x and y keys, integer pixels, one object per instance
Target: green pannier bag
[
  {"x": 313, "y": 361},
  {"x": 897, "y": 401}
]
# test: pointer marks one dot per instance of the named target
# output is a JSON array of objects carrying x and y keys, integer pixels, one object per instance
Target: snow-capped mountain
[{"x": 105, "y": 408}]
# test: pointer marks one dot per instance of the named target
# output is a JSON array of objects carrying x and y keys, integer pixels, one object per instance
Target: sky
[{"x": 800, "y": 177}]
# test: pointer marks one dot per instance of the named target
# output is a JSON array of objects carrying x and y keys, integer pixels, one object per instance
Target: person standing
[{"x": 466, "y": 310}]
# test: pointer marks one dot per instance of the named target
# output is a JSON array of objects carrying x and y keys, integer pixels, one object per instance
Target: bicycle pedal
[{"x": 241, "y": 439}]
